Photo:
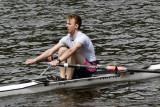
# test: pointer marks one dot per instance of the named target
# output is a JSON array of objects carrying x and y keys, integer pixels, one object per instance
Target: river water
[{"x": 124, "y": 32}]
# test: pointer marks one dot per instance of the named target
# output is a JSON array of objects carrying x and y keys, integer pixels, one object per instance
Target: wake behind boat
[{"x": 102, "y": 76}]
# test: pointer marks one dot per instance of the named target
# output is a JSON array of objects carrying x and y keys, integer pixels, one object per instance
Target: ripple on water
[{"x": 123, "y": 32}]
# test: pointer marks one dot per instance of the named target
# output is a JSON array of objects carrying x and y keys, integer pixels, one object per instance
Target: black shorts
[{"x": 84, "y": 72}]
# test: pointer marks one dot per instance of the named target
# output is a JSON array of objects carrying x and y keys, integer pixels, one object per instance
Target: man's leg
[
  {"x": 74, "y": 59},
  {"x": 62, "y": 69},
  {"x": 70, "y": 72}
]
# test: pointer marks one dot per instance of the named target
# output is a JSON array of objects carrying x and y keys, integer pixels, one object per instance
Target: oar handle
[
  {"x": 49, "y": 64},
  {"x": 50, "y": 58}
]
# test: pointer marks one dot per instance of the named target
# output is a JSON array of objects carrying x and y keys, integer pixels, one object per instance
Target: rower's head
[{"x": 74, "y": 21}]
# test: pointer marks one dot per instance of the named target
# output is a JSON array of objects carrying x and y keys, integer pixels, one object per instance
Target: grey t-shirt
[{"x": 87, "y": 50}]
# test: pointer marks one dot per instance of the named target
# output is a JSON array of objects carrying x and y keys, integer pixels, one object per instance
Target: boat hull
[{"x": 38, "y": 86}]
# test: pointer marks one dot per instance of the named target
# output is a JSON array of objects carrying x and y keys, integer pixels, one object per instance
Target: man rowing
[{"x": 75, "y": 48}]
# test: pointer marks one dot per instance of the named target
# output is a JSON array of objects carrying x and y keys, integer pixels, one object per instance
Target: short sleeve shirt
[{"x": 87, "y": 50}]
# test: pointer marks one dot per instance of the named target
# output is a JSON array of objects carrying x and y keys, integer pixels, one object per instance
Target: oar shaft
[
  {"x": 109, "y": 68},
  {"x": 144, "y": 70},
  {"x": 80, "y": 66}
]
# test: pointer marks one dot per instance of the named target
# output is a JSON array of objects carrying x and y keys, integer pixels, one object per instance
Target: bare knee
[
  {"x": 71, "y": 60},
  {"x": 79, "y": 59},
  {"x": 62, "y": 50},
  {"x": 76, "y": 59}
]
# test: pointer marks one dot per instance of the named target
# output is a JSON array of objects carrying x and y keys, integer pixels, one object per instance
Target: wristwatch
[{"x": 59, "y": 61}]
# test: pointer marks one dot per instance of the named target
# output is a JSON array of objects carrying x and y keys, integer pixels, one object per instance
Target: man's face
[{"x": 71, "y": 26}]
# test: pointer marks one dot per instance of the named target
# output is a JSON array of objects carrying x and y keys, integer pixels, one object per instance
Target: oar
[{"x": 108, "y": 68}]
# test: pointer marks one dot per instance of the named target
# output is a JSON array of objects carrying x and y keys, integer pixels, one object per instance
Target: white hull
[{"x": 36, "y": 86}]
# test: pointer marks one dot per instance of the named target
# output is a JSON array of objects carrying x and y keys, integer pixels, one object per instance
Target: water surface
[{"x": 124, "y": 32}]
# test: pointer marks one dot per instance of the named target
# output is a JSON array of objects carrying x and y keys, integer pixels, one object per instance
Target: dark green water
[{"x": 124, "y": 32}]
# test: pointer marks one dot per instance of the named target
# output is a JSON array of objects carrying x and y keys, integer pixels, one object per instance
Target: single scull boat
[{"x": 102, "y": 76}]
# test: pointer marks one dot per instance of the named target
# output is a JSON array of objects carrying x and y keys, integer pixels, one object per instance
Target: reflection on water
[{"x": 124, "y": 32}]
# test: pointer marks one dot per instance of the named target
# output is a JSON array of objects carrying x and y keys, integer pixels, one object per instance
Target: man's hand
[
  {"x": 30, "y": 61},
  {"x": 54, "y": 63}
]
